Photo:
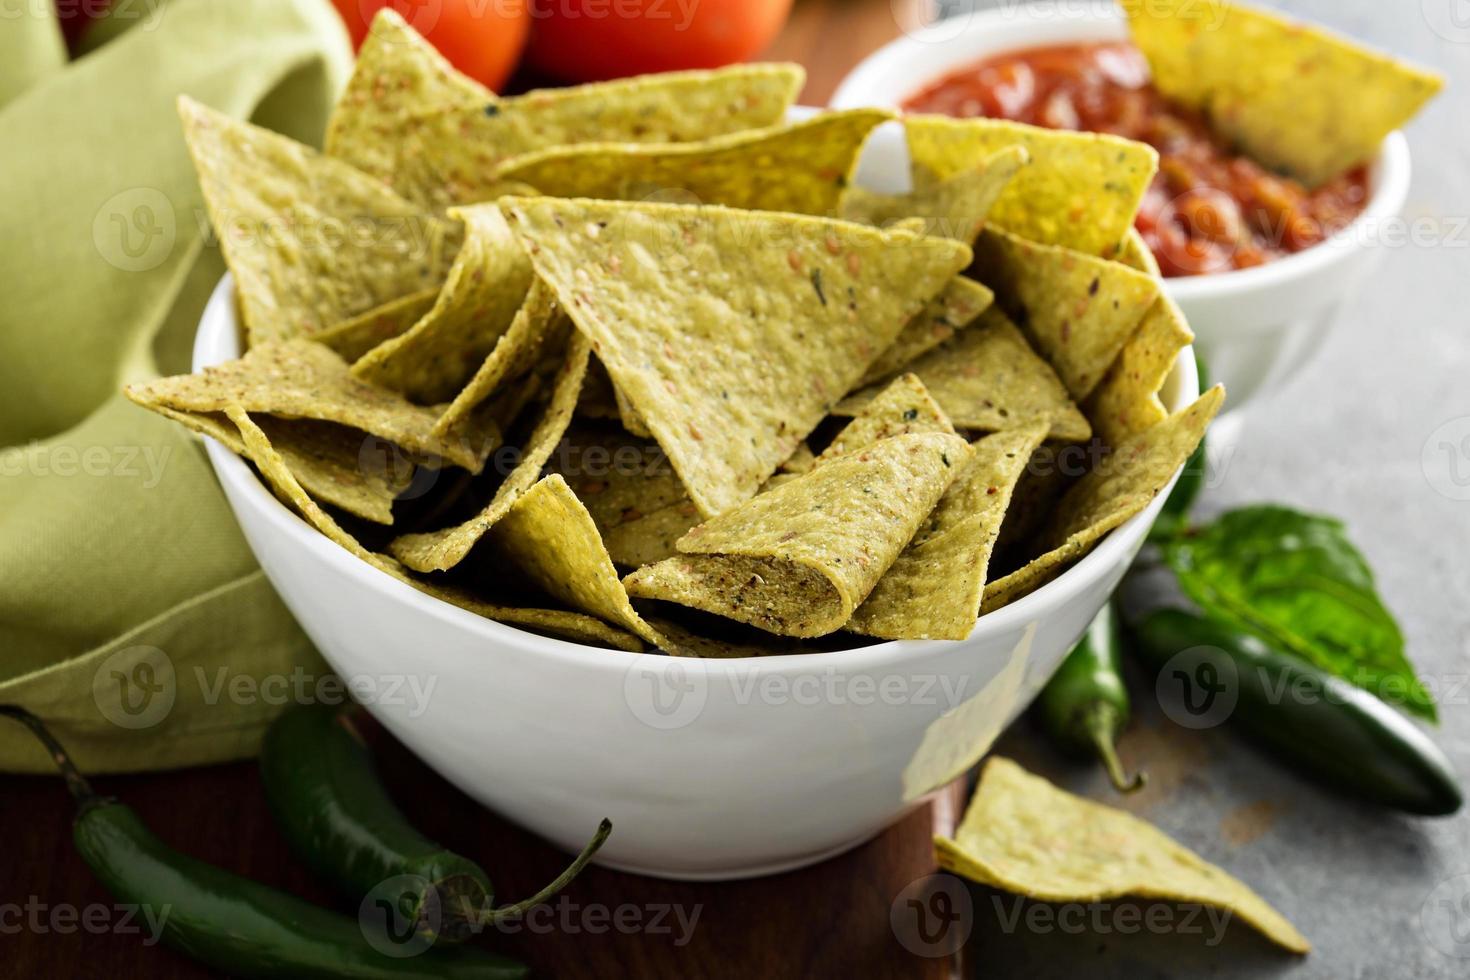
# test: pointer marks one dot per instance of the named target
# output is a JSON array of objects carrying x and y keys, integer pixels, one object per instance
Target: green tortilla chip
[
  {"x": 802, "y": 167},
  {"x": 731, "y": 333},
  {"x": 437, "y": 138},
  {"x": 1295, "y": 97},
  {"x": 302, "y": 379},
  {"x": 1077, "y": 310},
  {"x": 629, "y": 416},
  {"x": 549, "y": 536},
  {"x": 988, "y": 378},
  {"x": 679, "y": 641},
  {"x": 956, "y": 307},
  {"x": 799, "y": 558},
  {"x": 351, "y": 339},
  {"x": 1080, "y": 190},
  {"x": 443, "y": 549},
  {"x": 431, "y": 362},
  {"x": 902, "y": 408},
  {"x": 955, "y": 207},
  {"x": 1026, "y": 836},
  {"x": 1127, "y": 401},
  {"x": 536, "y": 327},
  {"x": 311, "y": 241},
  {"x": 1119, "y": 487},
  {"x": 933, "y": 590}
]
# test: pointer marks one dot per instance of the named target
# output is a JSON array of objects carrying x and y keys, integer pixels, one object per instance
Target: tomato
[
  {"x": 592, "y": 40},
  {"x": 482, "y": 38}
]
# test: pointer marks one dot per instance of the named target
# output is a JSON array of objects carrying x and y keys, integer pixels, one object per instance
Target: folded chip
[
  {"x": 956, "y": 207},
  {"x": 436, "y": 138},
  {"x": 353, "y": 338},
  {"x": 1311, "y": 104},
  {"x": 1024, "y": 835},
  {"x": 815, "y": 159},
  {"x": 799, "y": 558},
  {"x": 732, "y": 333},
  {"x": 305, "y": 380},
  {"x": 987, "y": 378},
  {"x": 956, "y": 307},
  {"x": 1116, "y": 489},
  {"x": 311, "y": 240},
  {"x": 1079, "y": 190},
  {"x": 433, "y": 360},
  {"x": 1127, "y": 401},
  {"x": 1077, "y": 310}
]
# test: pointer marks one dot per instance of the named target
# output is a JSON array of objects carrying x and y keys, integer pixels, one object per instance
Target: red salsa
[{"x": 1208, "y": 210}]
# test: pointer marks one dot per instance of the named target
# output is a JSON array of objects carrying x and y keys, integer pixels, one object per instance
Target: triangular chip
[
  {"x": 802, "y": 167},
  {"x": 956, "y": 307},
  {"x": 1024, "y": 835},
  {"x": 1077, "y": 310},
  {"x": 351, "y": 339},
  {"x": 955, "y": 207},
  {"x": 629, "y": 416},
  {"x": 1127, "y": 401},
  {"x": 731, "y": 332},
  {"x": 1080, "y": 190},
  {"x": 311, "y": 241},
  {"x": 443, "y": 549},
  {"x": 305, "y": 380},
  {"x": 799, "y": 558},
  {"x": 988, "y": 378},
  {"x": 901, "y": 408},
  {"x": 549, "y": 536},
  {"x": 680, "y": 641},
  {"x": 1119, "y": 487},
  {"x": 434, "y": 359},
  {"x": 1311, "y": 104},
  {"x": 933, "y": 590},
  {"x": 437, "y": 138}
]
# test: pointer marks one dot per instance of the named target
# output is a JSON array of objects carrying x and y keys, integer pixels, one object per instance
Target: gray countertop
[{"x": 1347, "y": 437}]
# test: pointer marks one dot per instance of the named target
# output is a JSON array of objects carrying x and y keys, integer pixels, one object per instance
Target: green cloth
[{"x": 115, "y": 540}]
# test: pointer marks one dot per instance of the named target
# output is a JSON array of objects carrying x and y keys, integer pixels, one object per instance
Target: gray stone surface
[{"x": 1347, "y": 437}]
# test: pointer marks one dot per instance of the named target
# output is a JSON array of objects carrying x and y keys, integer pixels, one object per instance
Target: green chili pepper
[
  {"x": 324, "y": 790},
  {"x": 1085, "y": 705},
  {"x": 1324, "y": 726},
  {"x": 230, "y": 923}
]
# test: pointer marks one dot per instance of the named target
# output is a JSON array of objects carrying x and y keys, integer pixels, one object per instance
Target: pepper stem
[
  {"x": 1100, "y": 722},
  {"x": 561, "y": 881},
  {"x": 76, "y": 783}
]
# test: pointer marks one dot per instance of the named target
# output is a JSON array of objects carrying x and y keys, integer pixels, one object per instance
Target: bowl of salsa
[{"x": 1259, "y": 262}]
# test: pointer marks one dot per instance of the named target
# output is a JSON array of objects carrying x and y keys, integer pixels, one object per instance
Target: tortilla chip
[
  {"x": 799, "y": 558},
  {"x": 311, "y": 241},
  {"x": 351, "y": 339},
  {"x": 1311, "y": 104},
  {"x": 436, "y": 138},
  {"x": 933, "y": 590},
  {"x": 1136, "y": 254},
  {"x": 486, "y": 288},
  {"x": 988, "y": 378},
  {"x": 956, "y": 207},
  {"x": 629, "y": 416},
  {"x": 1024, "y": 835},
  {"x": 956, "y": 307},
  {"x": 679, "y": 641},
  {"x": 802, "y": 167},
  {"x": 443, "y": 549},
  {"x": 1127, "y": 401},
  {"x": 731, "y": 332},
  {"x": 902, "y": 408},
  {"x": 1078, "y": 311},
  {"x": 1080, "y": 190},
  {"x": 535, "y": 326},
  {"x": 598, "y": 399},
  {"x": 1119, "y": 487},
  {"x": 550, "y": 537},
  {"x": 302, "y": 379}
]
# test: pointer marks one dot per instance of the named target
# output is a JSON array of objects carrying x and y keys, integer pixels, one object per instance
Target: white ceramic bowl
[
  {"x": 1254, "y": 327},
  {"x": 708, "y": 769}
]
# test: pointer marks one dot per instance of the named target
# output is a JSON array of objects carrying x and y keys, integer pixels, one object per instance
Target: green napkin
[{"x": 130, "y": 604}]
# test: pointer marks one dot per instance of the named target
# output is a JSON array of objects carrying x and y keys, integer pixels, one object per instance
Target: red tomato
[
  {"x": 482, "y": 38},
  {"x": 592, "y": 40}
]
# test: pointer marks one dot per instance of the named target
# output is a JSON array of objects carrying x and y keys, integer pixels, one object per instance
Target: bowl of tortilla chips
[
  {"x": 649, "y": 450},
  {"x": 1290, "y": 98}
]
